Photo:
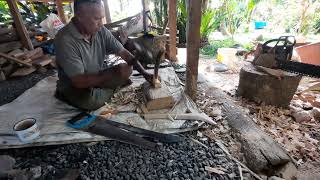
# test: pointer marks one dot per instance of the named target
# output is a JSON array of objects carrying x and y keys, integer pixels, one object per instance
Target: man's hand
[{"x": 148, "y": 77}]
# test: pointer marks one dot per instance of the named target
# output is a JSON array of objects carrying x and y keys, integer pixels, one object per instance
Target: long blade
[
  {"x": 300, "y": 68},
  {"x": 100, "y": 127},
  {"x": 166, "y": 138}
]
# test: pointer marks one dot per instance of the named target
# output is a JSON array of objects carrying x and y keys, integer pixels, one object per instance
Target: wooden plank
[
  {"x": 21, "y": 29},
  {"x": 23, "y": 71},
  {"x": 6, "y": 31},
  {"x": 107, "y": 11},
  {"x": 193, "y": 45},
  {"x": 42, "y": 61},
  {"x": 15, "y": 60},
  {"x": 8, "y": 38},
  {"x": 172, "y": 30},
  {"x": 33, "y": 54},
  {"x": 15, "y": 52},
  {"x": 9, "y": 46},
  {"x": 157, "y": 98},
  {"x": 61, "y": 11}
]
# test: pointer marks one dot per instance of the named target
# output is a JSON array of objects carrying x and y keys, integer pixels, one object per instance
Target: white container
[
  {"x": 27, "y": 130},
  {"x": 226, "y": 55}
]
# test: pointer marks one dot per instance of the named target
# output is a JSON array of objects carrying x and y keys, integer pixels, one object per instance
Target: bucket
[
  {"x": 27, "y": 130},
  {"x": 226, "y": 54}
]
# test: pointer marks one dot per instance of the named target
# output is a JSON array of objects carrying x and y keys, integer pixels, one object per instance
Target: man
[{"x": 81, "y": 47}]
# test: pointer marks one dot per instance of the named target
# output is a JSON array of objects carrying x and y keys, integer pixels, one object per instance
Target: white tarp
[{"x": 52, "y": 114}]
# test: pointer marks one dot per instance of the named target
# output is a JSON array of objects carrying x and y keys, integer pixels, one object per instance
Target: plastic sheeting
[{"x": 51, "y": 114}]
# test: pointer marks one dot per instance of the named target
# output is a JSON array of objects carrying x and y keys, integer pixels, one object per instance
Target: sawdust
[
  {"x": 222, "y": 130},
  {"x": 128, "y": 95},
  {"x": 298, "y": 134}
]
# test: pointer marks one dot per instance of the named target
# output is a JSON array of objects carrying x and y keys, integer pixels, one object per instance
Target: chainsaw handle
[{"x": 284, "y": 39}]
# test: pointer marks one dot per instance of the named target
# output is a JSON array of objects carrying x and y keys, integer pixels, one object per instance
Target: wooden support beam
[
  {"x": 61, "y": 11},
  {"x": 172, "y": 30},
  {"x": 193, "y": 45},
  {"x": 107, "y": 11},
  {"x": 144, "y": 16},
  {"x": 21, "y": 29}
]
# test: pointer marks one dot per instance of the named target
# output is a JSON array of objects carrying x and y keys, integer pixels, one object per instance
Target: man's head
[{"x": 89, "y": 13}]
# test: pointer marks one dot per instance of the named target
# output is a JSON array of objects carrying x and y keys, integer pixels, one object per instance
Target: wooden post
[
  {"x": 144, "y": 16},
  {"x": 60, "y": 11},
  {"x": 193, "y": 45},
  {"x": 107, "y": 11},
  {"x": 173, "y": 30},
  {"x": 21, "y": 29}
]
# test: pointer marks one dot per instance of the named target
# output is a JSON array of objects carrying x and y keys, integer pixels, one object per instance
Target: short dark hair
[{"x": 78, "y": 3}]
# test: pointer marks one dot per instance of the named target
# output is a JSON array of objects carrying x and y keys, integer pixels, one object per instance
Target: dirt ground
[{"x": 305, "y": 152}]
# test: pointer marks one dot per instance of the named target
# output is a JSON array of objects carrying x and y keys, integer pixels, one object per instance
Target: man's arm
[
  {"x": 131, "y": 60},
  {"x": 109, "y": 78}
]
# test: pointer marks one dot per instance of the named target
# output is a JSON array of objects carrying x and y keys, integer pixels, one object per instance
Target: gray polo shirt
[{"x": 75, "y": 55}]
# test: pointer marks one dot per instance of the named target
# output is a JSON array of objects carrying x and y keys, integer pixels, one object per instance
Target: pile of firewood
[
  {"x": 16, "y": 61},
  {"x": 23, "y": 62}
]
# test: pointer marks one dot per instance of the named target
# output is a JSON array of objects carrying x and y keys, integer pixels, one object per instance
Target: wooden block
[
  {"x": 42, "y": 61},
  {"x": 157, "y": 98},
  {"x": 23, "y": 71}
]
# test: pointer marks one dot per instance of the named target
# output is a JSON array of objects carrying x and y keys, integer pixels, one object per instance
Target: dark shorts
[{"x": 89, "y": 99}]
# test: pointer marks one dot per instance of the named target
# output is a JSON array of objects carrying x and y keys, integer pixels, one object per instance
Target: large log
[
  {"x": 261, "y": 152},
  {"x": 276, "y": 89}
]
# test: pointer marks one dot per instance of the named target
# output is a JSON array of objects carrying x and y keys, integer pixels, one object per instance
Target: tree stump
[{"x": 260, "y": 87}]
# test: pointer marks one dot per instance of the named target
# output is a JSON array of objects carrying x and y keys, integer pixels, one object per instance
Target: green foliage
[
  {"x": 248, "y": 46},
  {"x": 211, "y": 50},
  {"x": 34, "y": 12},
  {"x": 235, "y": 15},
  {"x": 182, "y": 16},
  {"x": 160, "y": 13},
  {"x": 4, "y": 12},
  {"x": 316, "y": 24},
  {"x": 210, "y": 21}
]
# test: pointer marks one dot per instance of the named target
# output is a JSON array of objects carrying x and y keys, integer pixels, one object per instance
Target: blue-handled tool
[{"x": 100, "y": 126}]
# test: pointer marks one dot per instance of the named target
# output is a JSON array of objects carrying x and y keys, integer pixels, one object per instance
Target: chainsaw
[{"x": 282, "y": 50}]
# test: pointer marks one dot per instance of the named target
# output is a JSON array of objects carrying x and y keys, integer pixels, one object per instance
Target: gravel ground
[
  {"x": 114, "y": 160},
  {"x": 12, "y": 88}
]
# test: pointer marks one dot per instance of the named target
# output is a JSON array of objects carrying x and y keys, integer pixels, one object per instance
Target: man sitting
[{"x": 81, "y": 48}]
